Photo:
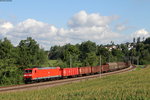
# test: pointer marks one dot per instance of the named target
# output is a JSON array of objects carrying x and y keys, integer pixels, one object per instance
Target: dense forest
[
  {"x": 88, "y": 53},
  {"x": 14, "y": 59},
  {"x": 28, "y": 54}
]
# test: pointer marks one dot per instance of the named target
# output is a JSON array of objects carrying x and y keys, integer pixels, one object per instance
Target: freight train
[{"x": 50, "y": 73}]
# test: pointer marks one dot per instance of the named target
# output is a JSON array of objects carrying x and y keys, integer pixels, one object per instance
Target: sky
[{"x": 58, "y": 22}]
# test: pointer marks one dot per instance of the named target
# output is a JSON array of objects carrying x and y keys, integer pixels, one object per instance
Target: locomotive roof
[
  {"x": 28, "y": 69},
  {"x": 48, "y": 68},
  {"x": 42, "y": 68}
]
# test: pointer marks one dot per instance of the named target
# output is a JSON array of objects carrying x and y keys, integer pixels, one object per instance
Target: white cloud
[
  {"x": 97, "y": 34},
  {"x": 121, "y": 27},
  {"x": 82, "y": 19},
  {"x": 7, "y": 25},
  {"x": 141, "y": 33},
  {"x": 33, "y": 27},
  {"x": 82, "y": 27}
]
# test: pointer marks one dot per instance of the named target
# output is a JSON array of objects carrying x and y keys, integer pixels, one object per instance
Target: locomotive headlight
[{"x": 28, "y": 75}]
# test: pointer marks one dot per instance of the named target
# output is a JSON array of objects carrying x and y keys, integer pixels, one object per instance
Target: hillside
[{"x": 128, "y": 86}]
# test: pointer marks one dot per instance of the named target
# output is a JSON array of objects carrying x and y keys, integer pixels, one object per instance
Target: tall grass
[{"x": 133, "y": 85}]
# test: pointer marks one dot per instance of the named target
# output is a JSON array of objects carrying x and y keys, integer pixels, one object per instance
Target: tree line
[
  {"x": 13, "y": 59},
  {"x": 28, "y": 54},
  {"x": 88, "y": 53}
]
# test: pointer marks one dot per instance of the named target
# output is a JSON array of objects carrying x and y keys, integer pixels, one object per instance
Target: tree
[
  {"x": 134, "y": 40},
  {"x": 147, "y": 41},
  {"x": 30, "y": 53},
  {"x": 138, "y": 40},
  {"x": 7, "y": 53},
  {"x": 117, "y": 55},
  {"x": 105, "y": 53},
  {"x": 91, "y": 59},
  {"x": 112, "y": 43},
  {"x": 124, "y": 49},
  {"x": 56, "y": 52},
  {"x": 71, "y": 54},
  {"x": 86, "y": 47},
  {"x": 8, "y": 61}
]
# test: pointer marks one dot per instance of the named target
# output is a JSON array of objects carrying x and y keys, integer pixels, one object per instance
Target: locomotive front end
[{"x": 27, "y": 75}]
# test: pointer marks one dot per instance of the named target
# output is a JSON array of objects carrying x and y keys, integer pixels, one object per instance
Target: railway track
[{"x": 59, "y": 82}]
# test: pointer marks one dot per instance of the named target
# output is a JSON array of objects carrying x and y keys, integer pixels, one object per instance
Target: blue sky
[{"x": 132, "y": 18}]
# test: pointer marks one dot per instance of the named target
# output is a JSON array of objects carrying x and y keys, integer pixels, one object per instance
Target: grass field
[
  {"x": 140, "y": 66},
  {"x": 133, "y": 85},
  {"x": 50, "y": 63}
]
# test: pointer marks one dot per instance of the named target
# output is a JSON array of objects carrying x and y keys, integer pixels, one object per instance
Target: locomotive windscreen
[{"x": 28, "y": 71}]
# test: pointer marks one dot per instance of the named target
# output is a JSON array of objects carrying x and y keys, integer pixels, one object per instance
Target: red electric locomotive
[{"x": 36, "y": 74}]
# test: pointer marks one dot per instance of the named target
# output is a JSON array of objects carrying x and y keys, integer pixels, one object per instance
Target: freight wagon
[
  {"x": 70, "y": 72},
  {"x": 121, "y": 65},
  {"x": 113, "y": 66},
  {"x": 96, "y": 69},
  {"x": 105, "y": 68},
  {"x": 85, "y": 71}
]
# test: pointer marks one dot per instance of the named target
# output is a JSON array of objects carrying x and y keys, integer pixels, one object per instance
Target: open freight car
[
  {"x": 85, "y": 71},
  {"x": 121, "y": 65},
  {"x": 113, "y": 66},
  {"x": 105, "y": 68},
  {"x": 96, "y": 69},
  {"x": 70, "y": 72}
]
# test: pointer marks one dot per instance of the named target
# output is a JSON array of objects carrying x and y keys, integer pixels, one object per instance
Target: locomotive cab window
[{"x": 28, "y": 71}]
